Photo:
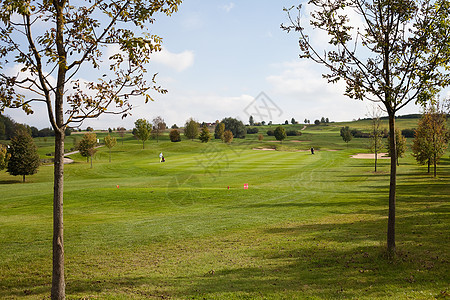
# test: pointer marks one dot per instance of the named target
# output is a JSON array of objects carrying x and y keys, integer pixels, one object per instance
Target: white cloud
[
  {"x": 227, "y": 7},
  {"x": 177, "y": 61}
]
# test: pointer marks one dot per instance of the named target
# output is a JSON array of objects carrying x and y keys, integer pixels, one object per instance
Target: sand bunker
[
  {"x": 370, "y": 156},
  {"x": 264, "y": 149}
]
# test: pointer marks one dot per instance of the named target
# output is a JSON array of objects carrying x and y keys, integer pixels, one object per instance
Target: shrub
[
  {"x": 252, "y": 130},
  {"x": 174, "y": 136},
  {"x": 408, "y": 133},
  {"x": 293, "y": 133},
  {"x": 270, "y": 133},
  {"x": 260, "y": 137},
  {"x": 228, "y": 136}
]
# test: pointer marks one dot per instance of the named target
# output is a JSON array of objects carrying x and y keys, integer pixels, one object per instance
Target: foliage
[
  {"x": 110, "y": 142},
  {"x": 158, "y": 127},
  {"x": 270, "y": 132},
  {"x": 251, "y": 121},
  {"x": 24, "y": 158},
  {"x": 4, "y": 157},
  {"x": 191, "y": 129},
  {"x": 252, "y": 130},
  {"x": 293, "y": 132},
  {"x": 293, "y": 122},
  {"x": 400, "y": 145},
  {"x": 205, "y": 135},
  {"x": 280, "y": 133},
  {"x": 219, "y": 130},
  {"x": 174, "y": 126},
  {"x": 235, "y": 126},
  {"x": 143, "y": 130},
  {"x": 408, "y": 133},
  {"x": 317, "y": 122},
  {"x": 431, "y": 138},
  {"x": 174, "y": 135},
  {"x": 228, "y": 136},
  {"x": 260, "y": 137},
  {"x": 87, "y": 144},
  {"x": 346, "y": 134}
]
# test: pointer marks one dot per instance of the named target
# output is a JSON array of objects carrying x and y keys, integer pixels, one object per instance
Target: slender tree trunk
[
  {"x": 58, "y": 283},
  {"x": 109, "y": 154},
  {"x": 434, "y": 162},
  {"x": 392, "y": 186},
  {"x": 429, "y": 163},
  {"x": 91, "y": 161},
  {"x": 376, "y": 158},
  {"x": 24, "y": 178}
]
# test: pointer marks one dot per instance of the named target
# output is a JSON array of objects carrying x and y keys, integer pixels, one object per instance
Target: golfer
[{"x": 161, "y": 157}]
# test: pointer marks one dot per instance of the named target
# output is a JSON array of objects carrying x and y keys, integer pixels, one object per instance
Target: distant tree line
[{"x": 9, "y": 127}]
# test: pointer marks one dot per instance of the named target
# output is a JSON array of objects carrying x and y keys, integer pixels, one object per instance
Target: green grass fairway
[{"x": 308, "y": 227}]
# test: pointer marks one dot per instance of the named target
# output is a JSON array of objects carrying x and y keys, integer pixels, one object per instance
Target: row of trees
[{"x": 430, "y": 138}]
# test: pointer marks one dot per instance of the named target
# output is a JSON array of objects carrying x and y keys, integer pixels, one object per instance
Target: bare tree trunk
[
  {"x": 392, "y": 186},
  {"x": 429, "y": 163},
  {"x": 58, "y": 283},
  {"x": 91, "y": 161},
  {"x": 109, "y": 154},
  {"x": 23, "y": 180},
  {"x": 435, "y": 165}
]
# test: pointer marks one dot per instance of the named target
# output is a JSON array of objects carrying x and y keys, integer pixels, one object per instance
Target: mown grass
[{"x": 308, "y": 227}]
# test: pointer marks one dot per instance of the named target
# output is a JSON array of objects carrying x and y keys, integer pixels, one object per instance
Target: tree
[
  {"x": 431, "y": 138},
  {"x": 400, "y": 54},
  {"x": 52, "y": 41},
  {"x": 24, "y": 158},
  {"x": 143, "y": 130},
  {"x": 228, "y": 136},
  {"x": 86, "y": 146},
  {"x": 260, "y": 137},
  {"x": 236, "y": 127},
  {"x": 280, "y": 134},
  {"x": 305, "y": 121},
  {"x": 158, "y": 126},
  {"x": 286, "y": 122},
  {"x": 327, "y": 120},
  {"x": 317, "y": 122},
  {"x": 322, "y": 120},
  {"x": 191, "y": 129},
  {"x": 121, "y": 132},
  {"x": 205, "y": 135},
  {"x": 174, "y": 135},
  {"x": 4, "y": 157},
  {"x": 346, "y": 134},
  {"x": 110, "y": 142},
  {"x": 376, "y": 133},
  {"x": 251, "y": 121},
  {"x": 400, "y": 145},
  {"x": 293, "y": 122},
  {"x": 219, "y": 130}
]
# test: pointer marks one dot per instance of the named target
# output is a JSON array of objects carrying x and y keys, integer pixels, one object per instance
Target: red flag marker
[
  {"x": 117, "y": 186},
  {"x": 245, "y": 186}
]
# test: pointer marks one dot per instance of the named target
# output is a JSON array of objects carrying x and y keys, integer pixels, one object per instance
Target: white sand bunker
[
  {"x": 264, "y": 149},
  {"x": 370, "y": 156}
]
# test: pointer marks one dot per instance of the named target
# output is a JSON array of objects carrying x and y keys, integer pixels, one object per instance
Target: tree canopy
[
  {"x": 191, "y": 129},
  {"x": 235, "y": 126}
]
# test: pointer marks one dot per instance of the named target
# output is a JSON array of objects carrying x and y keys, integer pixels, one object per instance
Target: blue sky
[{"x": 218, "y": 56}]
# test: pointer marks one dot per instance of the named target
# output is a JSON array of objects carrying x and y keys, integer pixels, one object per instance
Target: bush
[
  {"x": 252, "y": 130},
  {"x": 408, "y": 133},
  {"x": 293, "y": 133},
  {"x": 270, "y": 133},
  {"x": 359, "y": 134},
  {"x": 174, "y": 135}
]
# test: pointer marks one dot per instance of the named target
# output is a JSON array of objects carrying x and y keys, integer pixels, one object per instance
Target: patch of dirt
[
  {"x": 68, "y": 160},
  {"x": 370, "y": 156}
]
